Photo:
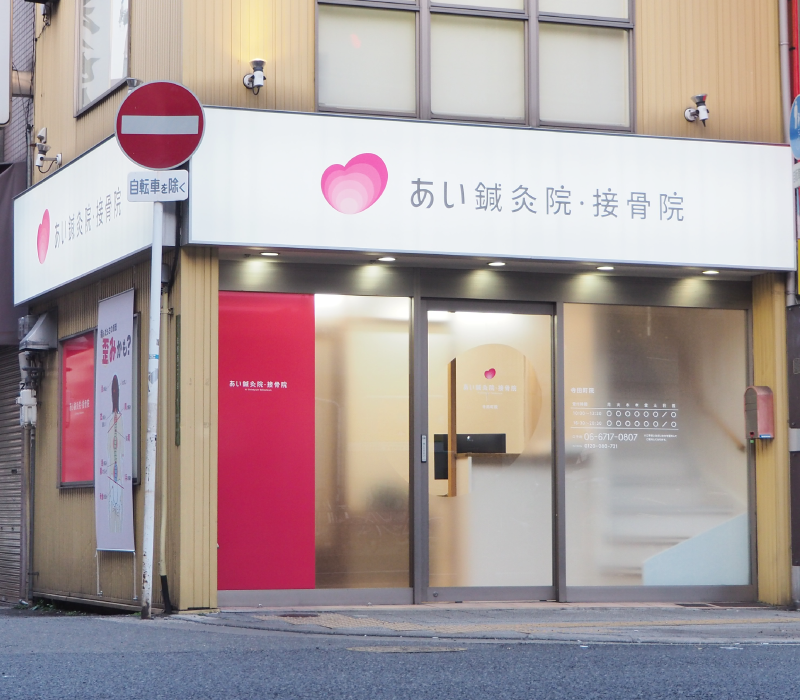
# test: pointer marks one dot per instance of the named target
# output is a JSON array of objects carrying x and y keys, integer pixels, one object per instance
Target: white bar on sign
[{"x": 159, "y": 125}]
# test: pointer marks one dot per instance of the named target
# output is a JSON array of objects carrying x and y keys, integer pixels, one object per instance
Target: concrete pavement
[{"x": 614, "y": 623}]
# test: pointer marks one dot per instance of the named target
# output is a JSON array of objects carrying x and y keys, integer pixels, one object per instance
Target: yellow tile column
[
  {"x": 198, "y": 291},
  {"x": 772, "y": 456}
]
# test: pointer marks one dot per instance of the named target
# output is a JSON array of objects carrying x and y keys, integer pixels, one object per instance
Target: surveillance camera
[
  {"x": 42, "y": 135},
  {"x": 255, "y": 81},
  {"x": 39, "y": 162},
  {"x": 700, "y": 112}
]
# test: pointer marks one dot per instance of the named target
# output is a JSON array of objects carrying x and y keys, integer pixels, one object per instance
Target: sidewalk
[{"x": 562, "y": 622}]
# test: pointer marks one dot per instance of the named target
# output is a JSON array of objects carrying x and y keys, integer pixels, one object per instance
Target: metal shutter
[{"x": 10, "y": 477}]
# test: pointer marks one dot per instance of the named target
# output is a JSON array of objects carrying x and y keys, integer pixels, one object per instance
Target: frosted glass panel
[
  {"x": 490, "y": 497},
  {"x": 477, "y": 67},
  {"x": 618, "y": 9},
  {"x": 496, "y": 4},
  {"x": 367, "y": 59},
  {"x": 583, "y": 75},
  {"x": 656, "y": 468},
  {"x": 361, "y": 441}
]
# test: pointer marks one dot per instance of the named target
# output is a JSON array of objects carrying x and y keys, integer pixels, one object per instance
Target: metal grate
[{"x": 10, "y": 477}]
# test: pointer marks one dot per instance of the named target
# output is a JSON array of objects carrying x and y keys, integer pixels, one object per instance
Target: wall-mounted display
[
  {"x": 77, "y": 410},
  {"x": 113, "y": 429}
]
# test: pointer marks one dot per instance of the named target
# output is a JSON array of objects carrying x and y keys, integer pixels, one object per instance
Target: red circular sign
[{"x": 160, "y": 125}]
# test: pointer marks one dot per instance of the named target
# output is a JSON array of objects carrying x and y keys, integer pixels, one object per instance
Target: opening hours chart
[{"x": 595, "y": 424}]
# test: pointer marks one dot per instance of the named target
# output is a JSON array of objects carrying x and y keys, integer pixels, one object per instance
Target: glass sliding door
[
  {"x": 491, "y": 453},
  {"x": 656, "y": 462}
]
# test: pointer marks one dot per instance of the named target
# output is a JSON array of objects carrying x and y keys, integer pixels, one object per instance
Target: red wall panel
[
  {"x": 266, "y": 441},
  {"x": 77, "y": 409}
]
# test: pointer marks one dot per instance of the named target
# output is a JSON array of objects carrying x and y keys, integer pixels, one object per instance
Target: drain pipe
[
  {"x": 786, "y": 109},
  {"x": 25, "y": 531},
  {"x": 791, "y": 277},
  {"x": 164, "y": 450},
  {"x": 786, "y": 93},
  {"x": 32, "y": 511}
]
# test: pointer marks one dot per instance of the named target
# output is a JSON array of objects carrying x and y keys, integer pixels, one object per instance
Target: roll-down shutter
[{"x": 10, "y": 477}]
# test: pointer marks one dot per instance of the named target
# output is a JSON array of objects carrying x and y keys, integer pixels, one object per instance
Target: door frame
[
  {"x": 559, "y": 591},
  {"x": 423, "y": 448}
]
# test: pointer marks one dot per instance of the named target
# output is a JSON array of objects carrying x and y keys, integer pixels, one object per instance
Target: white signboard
[
  {"x": 77, "y": 221},
  {"x": 381, "y": 185},
  {"x": 158, "y": 185},
  {"x": 113, "y": 424}
]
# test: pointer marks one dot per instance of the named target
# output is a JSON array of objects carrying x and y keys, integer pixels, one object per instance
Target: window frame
[
  {"x": 61, "y": 387},
  {"x": 79, "y": 109},
  {"x": 530, "y": 16}
]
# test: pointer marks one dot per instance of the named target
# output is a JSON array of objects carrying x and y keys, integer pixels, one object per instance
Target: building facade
[{"x": 461, "y": 306}]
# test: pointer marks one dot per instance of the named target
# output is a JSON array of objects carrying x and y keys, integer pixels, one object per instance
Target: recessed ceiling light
[
  {"x": 710, "y": 272},
  {"x": 605, "y": 268},
  {"x": 496, "y": 264},
  {"x": 386, "y": 259},
  {"x": 270, "y": 255}
]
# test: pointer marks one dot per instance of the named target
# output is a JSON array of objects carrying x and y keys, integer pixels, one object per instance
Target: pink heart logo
[
  {"x": 43, "y": 237},
  {"x": 489, "y": 373},
  {"x": 354, "y": 187}
]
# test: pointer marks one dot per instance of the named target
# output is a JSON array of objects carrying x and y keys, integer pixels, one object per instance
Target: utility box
[{"x": 759, "y": 413}]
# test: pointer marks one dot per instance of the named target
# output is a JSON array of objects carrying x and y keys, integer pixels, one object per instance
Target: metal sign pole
[{"x": 152, "y": 412}]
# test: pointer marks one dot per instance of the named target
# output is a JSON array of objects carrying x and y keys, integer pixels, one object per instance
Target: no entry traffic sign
[{"x": 160, "y": 125}]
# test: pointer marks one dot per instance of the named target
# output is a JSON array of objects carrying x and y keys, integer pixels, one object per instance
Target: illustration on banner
[{"x": 116, "y": 448}]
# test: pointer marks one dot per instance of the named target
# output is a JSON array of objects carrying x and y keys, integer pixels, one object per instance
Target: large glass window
[
  {"x": 617, "y": 9},
  {"x": 483, "y": 60},
  {"x": 102, "y": 48},
  {"x": 591, "y": 85},
  {"x": 477, "y": 67},
  {"x": 367, "y": 59},
  {"x": 361, "y": 409},
  {"x": 656, "y": 471}
]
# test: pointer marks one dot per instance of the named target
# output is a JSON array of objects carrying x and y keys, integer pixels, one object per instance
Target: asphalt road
[{"x": 84, "y": 657}]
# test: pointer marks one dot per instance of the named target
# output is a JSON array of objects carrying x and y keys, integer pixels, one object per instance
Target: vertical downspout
[
  {"x": 786, "y": 92},
  {"x": 31, "y": 506},
  {"x": 791, "y": 277},
  {"x": 163, "y": 446},
  {"x": 25, "y": 535},
  {"x": 786, "y": 108}
]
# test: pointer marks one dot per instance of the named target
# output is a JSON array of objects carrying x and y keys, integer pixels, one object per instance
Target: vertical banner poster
[
  {"x": 113, "y": 425},
  {"x": 77, "y": 414},
  {"x": 266, "y": 441}
]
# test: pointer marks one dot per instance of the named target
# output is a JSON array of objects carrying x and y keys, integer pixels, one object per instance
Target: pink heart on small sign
[
  {"x": 489, "y": 373},
  {"x": 43, "y": 237},
  {"x": 354, "y": 187}
]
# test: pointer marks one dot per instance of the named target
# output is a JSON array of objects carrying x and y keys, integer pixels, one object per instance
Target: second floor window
[
  {"x": 555, "y": 62},
  {"x": 102, "y": 49}
]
